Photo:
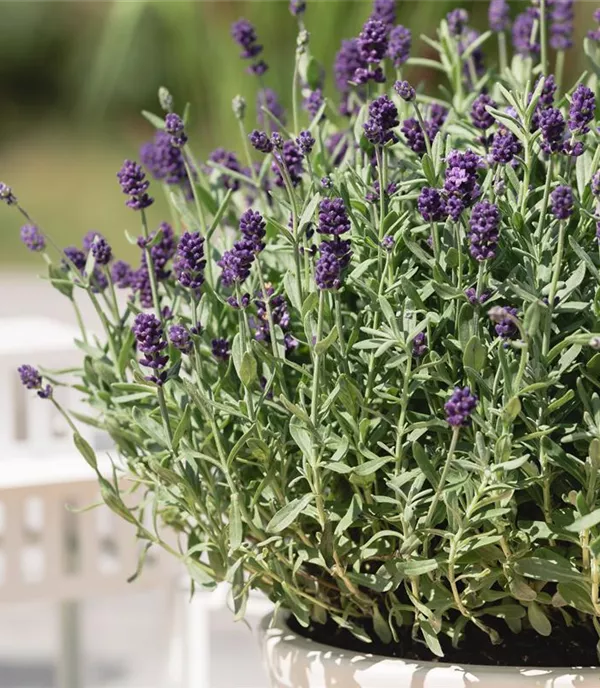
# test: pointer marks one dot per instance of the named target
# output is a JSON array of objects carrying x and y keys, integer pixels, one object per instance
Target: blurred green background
[{"x": 75, "y": 75}]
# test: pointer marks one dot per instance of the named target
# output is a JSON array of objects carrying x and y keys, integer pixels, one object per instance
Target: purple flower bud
[
  {"x": 383, "y": 118},
  {"x": 149, "y": 336},
  {"x": 165, "y": 162},
  {"x": 180, "y": 338},
  {"x": 505, "y": 319},
  {"x": 388, "y": 243},
  {"x": 122, "y": 274},
  {"x": 400, "y": 44},
  {"x": 135, "y": 185},
  {"x": 385, "y": 12},
  {"x": 244, "y": 34},
  {"x": 561, "y": 202},
  {"x": 333, "y": 217},
  {"x": 252, "y": 226},
  {"x": 405, "y": 91},
  {"x": 483, "y": 230},
  {"x": 561, "y": 24},
  {"x": 373, "y": 41},
  {"x": 457, "y": 21},
  {"x": 582, "y": 110},
  {"x": 229, "y": 160},
  {"x": 596, "y": 184},
  {"x": 267, "y": 98},
  {"x": 220, "y": 349},
  {"x": 7, "y": 195},
  {"x": 347, "y": 60},
  {"x": 291, "y": 158},
  {"x": 419, "y": 345},
  {"x": 101, "y": 250},
  {"x": 305, "y": 142},
  {"x": 313, "y": 102},
  {"x": 522, "y": 32},
  {"x": 260, "y": 140},
  {"x": 505, "y": 146},
  {"x": 480, "y": 116},
  {"x": 30, "y": 377},
  {"x": 190, "y": 262},
  {"x": 175, "y": 128},
  {"x": 431, "y": 205},
  {"x": 326, "y": 183},
  {"x": 33, "y": 238},
  {"x": 499, "y": 15},
  {"x": 76, "y": 256},
  {"x": 297, "y": 7},
  {"x": 460, "y": 407},
  {"x": 236, "y": 263},
  {"x": 328, "y": 272},
  {"x": 475, "y": 300}
]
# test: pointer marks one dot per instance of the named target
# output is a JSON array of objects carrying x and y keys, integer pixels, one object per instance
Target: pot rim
[{"x": 277, "y": 635}]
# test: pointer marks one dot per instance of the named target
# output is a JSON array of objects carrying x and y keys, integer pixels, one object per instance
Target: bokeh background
[{"x": 75, "y": 75}]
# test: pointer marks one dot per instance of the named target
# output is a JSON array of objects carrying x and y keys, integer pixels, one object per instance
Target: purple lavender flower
[
  {"x": 483, "y": 230},
  {"x": 33, "y": 238},
  {"x": 431, "y": 205},
  {"x": 141, "y": 285},
  {"x": 333, "y": 217},
  {"x": 236, "y": 263},
  {"x": 328, "y": 272},
  {"x": 475, "y": 300},
  {"x": 101, "y": 250},
  {"x": 31, "y": 379},
  {"x": 280, "y": 314},
  {"x": 582, "y": 110},
  {"x": 220, "y": 349},
  {"x": 292, "y": 159},
  {"x": 326, "y": 183},
  {"x": 244, "y": 34},
  {"x": 561, "y": 23},
  {"x": 373, "y": 196},
  {"x": 252, "y": 226},
  {"x": 385, "y": 12},
  {"x": 419, "y": 345},
  {"x": 480, "y": 116},
  {"x": 260, "y": 141},
  {"x": 76, "y": 256},
  {"x": 267, "y": 98},
  {"x": 476, "y": 58},
  {"x": 175, "y": 128},
  {"x": 552, "y": 124},
  {"x": 460, "y": 407},
  {"x": 190, "y": 262},
  {"x": 505, "y": 321},
  {"x": 305, "y": 142},
  {"x": 337, "y": 146},
  {"x": 522, "y": 31},
  {"x": 457, "y": 21},
  {"x": 460, "y": 183},
  {"x": 229, "y": 160},
  {"x": 89, "y": 238},
  {"x": 347, "y": 60},
  {"x": 313, "y": 102},
  {"x": 414, "y": 135},
  {"x": 164, "y": 250},
  {"x": 548, "y": 91},
  {"x": 388, "y": 243},
  {"x": 297, "y": 7},
  {"x": 373, "y": 41},
  {"x": 561, "y": 202},
  {"x": 149, "y": 335},
  {"x": 400, "y": 44},
  {"x": 165, "y": 162},
  {"x": 383, "y": 118},
  {"x": 277, "y": 140},
  {"x": 180, "y": 338},
  {"x": 405, "y": 91},
  {"x": 596, "y": 184},
  {"x": 258, "y": 68},
  {"x": 7, "y": 195},
  {"x": 499, "y": 15},
  {"x": 340, "y": 248},
  {"x": 135, "y": 185},
  {"x": 594, "y": 34},
  {"x": 121, "y": 274},
  {"x": 505, "y": 146}
]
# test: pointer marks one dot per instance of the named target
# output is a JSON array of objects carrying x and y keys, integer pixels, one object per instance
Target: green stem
[
  {"x": 403, "y": 410},
  {"x": 337, "y": 300},
  {"x": 151, "y": 273},
  {"x": 314, "y": 413},
  {"x": 545, "y": 200},
  {"x": 438, "y": 493},
  {"x": 560, "y": 249},
  {"x": 544, "y": 36},
  {"x": 502, "y": 51},
  {"x": 423, "y": 128},
  {"x": 164, "y": 412},
  {"x": 435, "y": 235}
]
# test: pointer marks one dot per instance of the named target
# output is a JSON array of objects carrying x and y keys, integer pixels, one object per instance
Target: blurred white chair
[{"x": 47, "y": 551}]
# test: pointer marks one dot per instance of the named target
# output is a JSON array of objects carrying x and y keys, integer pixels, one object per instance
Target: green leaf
[
  {"x": 381, "y": 626},
  {"x": 156, "y": 121},
  {"x": 248, "y": 370},
  {"x": 322, "y": 346},
  {"x": 475, "y": 354},
  {"x": 585, "y": 522},
  {"x": 531, "y": 321},
  {"x": 549, "y": 567},
  {"x": 235, "y": 523},
  {"x": 85, "y": 449},
  {"x": 182, "y": 426},
  {"x": 288, "y": 514},
  {"x": 291, "y": 289},
  {"x": 354, "y": 511},
  {"x": 303, "y": 438},
  {"x": 372, "y": 466},
  {"x": 538, "y": 619},
  {"x": 511, "y": 410}
]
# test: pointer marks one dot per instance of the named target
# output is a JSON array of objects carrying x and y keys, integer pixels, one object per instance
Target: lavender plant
[{"x": 359, "y": 369}]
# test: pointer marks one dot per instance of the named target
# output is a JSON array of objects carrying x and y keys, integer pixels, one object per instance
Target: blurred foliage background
[{"x": 75, "y": 75}]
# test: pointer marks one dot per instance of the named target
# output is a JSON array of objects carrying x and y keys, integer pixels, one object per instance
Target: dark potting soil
[{"x": 566, "y": 647}]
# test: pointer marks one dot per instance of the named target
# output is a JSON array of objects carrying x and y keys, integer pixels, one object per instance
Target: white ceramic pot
[{"x": 296, "y": 662}]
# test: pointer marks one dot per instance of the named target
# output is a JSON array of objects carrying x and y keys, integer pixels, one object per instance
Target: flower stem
[
  {"x": 544, "y": 36},
  {"x": 403, "y": 410},
  {"x": 502, "y": 51},
  {"x": 560, "y": 249},
  {"x": 151, "y": 273},
  {"x": 438, "y": 493},
  {"x": 545, "y": 200}
]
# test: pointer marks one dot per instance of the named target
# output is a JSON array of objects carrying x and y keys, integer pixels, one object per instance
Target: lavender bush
[{"x": 358, "y": 368}]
